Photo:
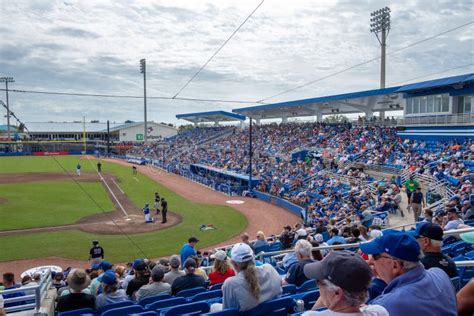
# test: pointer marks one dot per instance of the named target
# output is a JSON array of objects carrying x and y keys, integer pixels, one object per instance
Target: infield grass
[{"x": 119, "y": 248}]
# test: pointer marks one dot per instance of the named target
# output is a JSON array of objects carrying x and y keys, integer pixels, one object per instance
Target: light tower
[
  {"x": 143, "y": 71},
  {"x": 380, "y": 25},
  {"x": 7, "y": 80}
]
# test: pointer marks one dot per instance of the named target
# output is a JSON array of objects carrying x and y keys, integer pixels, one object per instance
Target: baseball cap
[
  {"x": 174, "y": 261},
  {"x": 397, "y": 244},
  {"x": 343, "y": 268},
  {"x": 193, "y": 239},
  {"x": 104, "y": 265},
  {"x": 241, "y": 253},
  {"x": 157, "y": 273},
  {"x": 108, "y": 278},
  {"x": 139, "y": 264},
  {"x": 429, "y": 230},
  {"x": 220, "y": 255}
]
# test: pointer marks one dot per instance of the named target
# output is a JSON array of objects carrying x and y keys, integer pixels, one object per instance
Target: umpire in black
[{"x": 164, "y": 210}]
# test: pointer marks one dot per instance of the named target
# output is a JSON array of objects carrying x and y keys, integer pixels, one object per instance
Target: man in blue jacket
[
  {"x": 411, "y": 290},
  {"x": 188, "y": 250}
]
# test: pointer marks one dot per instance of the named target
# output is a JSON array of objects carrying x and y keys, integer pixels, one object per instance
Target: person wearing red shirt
[{"x": 221, "y": 269}]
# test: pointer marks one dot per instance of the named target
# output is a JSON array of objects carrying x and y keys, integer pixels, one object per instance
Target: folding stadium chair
[
  {"x": 456, "y": 281},
  {"x": 215, "y": 287},
  {"x": 148, "y": 313},
  {"x": 458, "y": 248},
  {"x": 114, "y": 305},
  {"x": 308, "y": 285},
  {"x": 77, "y": 312},
  {"x": 224, "y": 312},
  {"x": 469, "y": 255},
  {"x": 459, "y": 258},
  {"x": 151, "y": 299},
  {"x": 276, "y": 307},
  {"x": 166, "y": 303},
  {"x": 187, "y": 309},
  {"x": 276, "y": 246},
  {"x": 208, "y": 295},
  {"x": 190, "y": 292},
  {"x": 261, "y": 248},
  {"x": 310, "y": 299},
  {"x": 126, "y": 310},
  {"x": 288, "y": 289}
]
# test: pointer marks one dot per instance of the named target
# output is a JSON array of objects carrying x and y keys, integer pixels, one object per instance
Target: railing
[
  {"x": 449, "y": 119},
  {"x": 354, "y": 245},
  {"x": 33, "y": 301}
]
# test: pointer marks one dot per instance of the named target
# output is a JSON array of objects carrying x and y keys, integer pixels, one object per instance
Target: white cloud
[{"x": 95, "y": 46}]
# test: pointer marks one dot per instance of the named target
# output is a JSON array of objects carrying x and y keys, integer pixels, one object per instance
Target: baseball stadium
[{"x": 354, "y": 201}]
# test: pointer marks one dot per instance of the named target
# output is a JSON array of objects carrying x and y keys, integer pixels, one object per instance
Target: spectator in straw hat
[
  {"x": 78, "y": 280},
  {"x": 221, "y": 269}
]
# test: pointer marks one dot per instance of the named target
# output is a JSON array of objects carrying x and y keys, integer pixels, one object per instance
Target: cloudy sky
[{"x": 95, "y": 47}]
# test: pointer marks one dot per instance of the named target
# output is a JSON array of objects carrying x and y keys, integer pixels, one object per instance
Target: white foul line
[
  {"x": 117, "y": 185},
  {"x": 110, "y": 190}
]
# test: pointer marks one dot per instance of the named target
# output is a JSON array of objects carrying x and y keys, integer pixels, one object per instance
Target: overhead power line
[
  {"x": 124, "y": 96},
  {"x": 218, "y": 50},
  {"x": 432, "y": 74},
  {"x": 366, "y": 62}
]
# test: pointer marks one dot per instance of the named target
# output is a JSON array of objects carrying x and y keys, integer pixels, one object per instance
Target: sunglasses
[{"x": 378, "y": 256}]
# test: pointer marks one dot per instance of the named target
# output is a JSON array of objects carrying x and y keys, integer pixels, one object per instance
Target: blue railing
[{"x": 298, "y": 210}]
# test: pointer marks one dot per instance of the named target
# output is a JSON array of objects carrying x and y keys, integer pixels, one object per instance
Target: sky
[{"x": 95, "y": 47}]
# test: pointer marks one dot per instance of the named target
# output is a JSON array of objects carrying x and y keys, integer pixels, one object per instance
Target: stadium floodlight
[
  {"x": 7, "y": 80},
  {"x": 380, "y": 26},
  {"x": 143, "y": 71}
]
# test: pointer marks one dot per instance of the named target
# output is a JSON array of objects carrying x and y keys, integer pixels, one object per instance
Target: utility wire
[
  {"x": 218, "y": 50},
  {"x": 100, "y": 207},
  {"x": 366, "y": 62},
  {"x": 124, "y": 96},
  {"x": 431, "y": 74}
]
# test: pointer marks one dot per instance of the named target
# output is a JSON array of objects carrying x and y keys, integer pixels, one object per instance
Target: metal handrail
[
  {"x": 40, "y": 293},
  {"x": 353, "y": 245},
  {"x": 464, "y": 263}
]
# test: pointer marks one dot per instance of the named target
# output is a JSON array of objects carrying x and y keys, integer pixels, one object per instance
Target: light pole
[
  {"x": 250, "y": 157},
  {"x": 380, "y": 25},
  {"x": 143, "y": 71},
  {"x": 7, "y": 80}
]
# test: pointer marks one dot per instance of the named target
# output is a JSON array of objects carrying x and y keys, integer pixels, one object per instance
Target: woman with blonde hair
[
  {"x": 261, "y": 240},
  {"x": 251, "y": 285},
  {"x": 221, "y": 269}
]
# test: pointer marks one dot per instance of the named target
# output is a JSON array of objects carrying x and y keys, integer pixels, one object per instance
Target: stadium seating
[
  {"x": 77, "y": 312},
  {"x": 188, "y": 309},
  {"x": 151, "y": 299},
  {"x": 126, "y": 310}
]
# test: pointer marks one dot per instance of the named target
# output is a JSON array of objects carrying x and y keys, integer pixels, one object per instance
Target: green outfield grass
[
  {"x": 75, "y": 244},
  {"x": 38, "y": 204}
]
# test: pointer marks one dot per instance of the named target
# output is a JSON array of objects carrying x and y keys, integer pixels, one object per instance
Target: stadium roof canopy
[
  {"x": 212, "y": 116},
  {"x": 356, "y": 102},
  {"x": 438, "y": 83}
]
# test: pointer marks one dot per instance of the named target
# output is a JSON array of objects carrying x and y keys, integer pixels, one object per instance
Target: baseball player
[
  {"x": 146, "y": 212},
  {"x": 157, "y": 203},
  {"x": 78, "y": 169}
]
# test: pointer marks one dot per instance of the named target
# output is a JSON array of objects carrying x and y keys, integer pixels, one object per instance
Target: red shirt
[{"x": 216, "y": 277}]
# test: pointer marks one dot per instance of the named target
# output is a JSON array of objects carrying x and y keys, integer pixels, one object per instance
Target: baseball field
[{"x": 46, "y": 210}]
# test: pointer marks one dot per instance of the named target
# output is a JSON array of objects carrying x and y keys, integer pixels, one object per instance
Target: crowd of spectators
[{"x": 388, "y": 273}]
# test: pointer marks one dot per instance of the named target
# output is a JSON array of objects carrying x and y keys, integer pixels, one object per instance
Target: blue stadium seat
[
  {"x": 114, "y": 305},
  {"x": 216, "y": 287},
  {"x": 126, "y": 310},
  {"x": 276, "y": 246},
  {"x": 166, "y": 303},
  {"x": 151, "y": 299},
  {"x": 307, "y": 286},
  {"x": 288, "y": 289},
  {"x": 77, "y": 312},
  {"x": 147, "y": 313},
  {"x": 264, "y": 248},
  {"x": 310, "y": 299},
  {"x": 224, "y": 312},
  {"x": 190, "y": 292},
  {"x": 276, "y": 307},
  {"x": 208, "y": 295},
  {"x": 456, "y": 281},
  {"x": 470, "y": 255},
  {"x": 187, "y": 309}
]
